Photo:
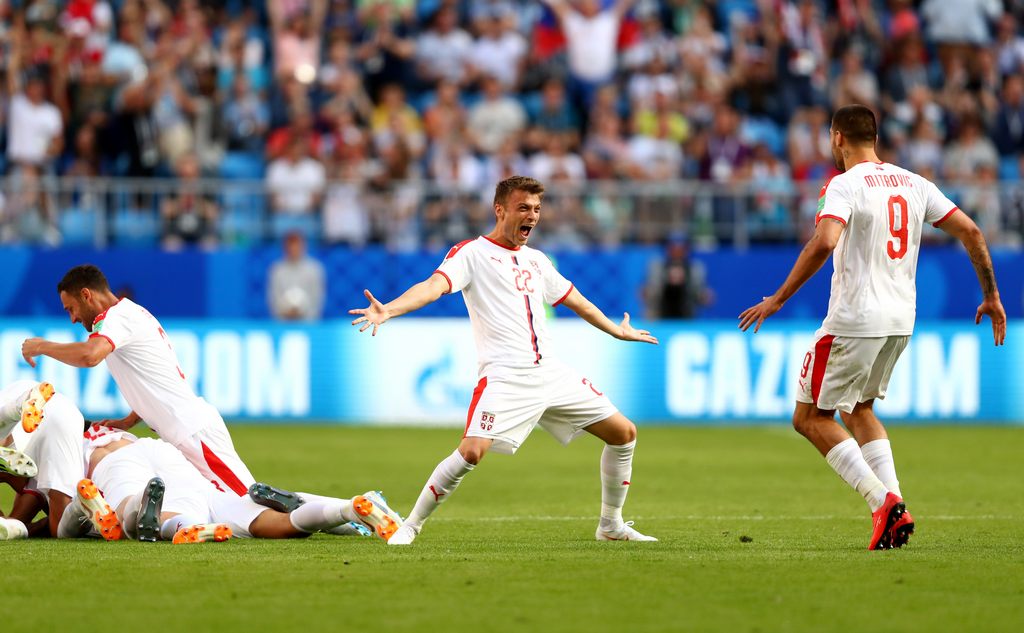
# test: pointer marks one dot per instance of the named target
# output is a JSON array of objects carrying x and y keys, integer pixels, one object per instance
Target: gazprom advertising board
[{"x": 423, "y": 371}]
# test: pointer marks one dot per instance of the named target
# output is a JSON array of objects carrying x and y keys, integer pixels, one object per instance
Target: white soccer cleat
[
  {"x": 373, "y": 512},
  {"x": 16, "y": 463},
  {"x": 404, "y": 536},
  {"x": 12, "y": 529},
  {"x": 624, "y": 533}
]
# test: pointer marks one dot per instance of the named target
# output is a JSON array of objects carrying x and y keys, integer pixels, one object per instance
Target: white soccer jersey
[
  {"x": 883, "y": 208},
  {"x": 146, "y": 371},
  {"x": 98, "y": 436},
  {"x": 56, "y": 446},
  {"x": 505, "y": 291}
]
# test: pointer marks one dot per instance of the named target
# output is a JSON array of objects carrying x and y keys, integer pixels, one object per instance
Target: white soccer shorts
[
  {"x": 213, "y": 454},
  {"x": 506, "y": 407},
  {"x": 840, "y": 372}
]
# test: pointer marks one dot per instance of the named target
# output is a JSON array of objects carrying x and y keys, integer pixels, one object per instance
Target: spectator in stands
[
  {"x": 296, "y": 181},
  {"x": 35, "y": 133},
  {"x": 701, "y": 40},
  {"x": 446, "y": 112},
  {"x": 296, "y": 285},
  {"x": 922, "y": 152},
  {"x": 348, "y": 95},
  {"x": 664, "y": 112},
  {"x": 346, "y": 214},
  {"x": 605, "y": 152},
  {"x": 494, "y": 118},
  {"x": 970, "y": 151},
  {"x": 385, "y": 48},
  {"x": 297, "y": 40},
  {"x": 302, "y": 125},
  {"x": 1008, "y": 128},
  {"x": 554, "y": 115},
  {"x": 655, "y": 43},
  {"x": 591, "y": 35},
  {"x": 959, "y": 28},
  {"x": 676, "y": 285},
  {"x": 653, "y": 154},
  {"x": 86, "y": 160},
  {"x": 804, "y": 66},
  {"x": 188, "y": 214},
  {"x": 1009, "y": 46},
  {"x": 556, "y": 162},
  {"x": 241, "y": 54},
  {"x": 245, "y": 117},
  {"x": 499, "y": 51},
  {"x": 391, "y": 105},
  {"x": 726, "y": 151},
  {"x": 854, "y": 83},
  {"x": 443, "y": 51},
  {"x": 505, "y": 163}
]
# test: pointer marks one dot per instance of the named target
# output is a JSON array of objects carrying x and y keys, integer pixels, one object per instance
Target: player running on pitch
[
  {"x": 871, "y": 215},
  {"x": 506, "y": 284},
  {"x": 145, "y": 368}
]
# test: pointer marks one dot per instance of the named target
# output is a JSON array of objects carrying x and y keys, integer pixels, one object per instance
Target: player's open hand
[
  {"x": 30, "y": 348},
  {"x": 993, "y": 307},
  {"x": 757, "y": 314},
  {"x": 376, "y": 314},
  {"x": 630, "y": 333}
]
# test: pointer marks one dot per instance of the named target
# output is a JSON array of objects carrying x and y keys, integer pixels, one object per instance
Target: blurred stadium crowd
[{"x": 388, "y": 121}]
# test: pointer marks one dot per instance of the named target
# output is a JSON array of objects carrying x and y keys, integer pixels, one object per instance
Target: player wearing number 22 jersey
[
  {"x": 144, "y": 366},
  {"x": 870, "y": 219},
  {"x": 521, "y": 384}
]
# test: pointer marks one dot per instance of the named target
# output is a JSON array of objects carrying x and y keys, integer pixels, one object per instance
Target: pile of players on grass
[{"x": 58, "y": 463}]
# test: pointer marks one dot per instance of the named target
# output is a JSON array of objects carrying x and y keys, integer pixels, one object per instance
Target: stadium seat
[
  {"x": 136, "y": 227},
  {"x": 77, "y": 226},
  {"x": 1009, "y": 168},
  {"x": 242, "y": 166},
  {"x": 307, "y": 225}
]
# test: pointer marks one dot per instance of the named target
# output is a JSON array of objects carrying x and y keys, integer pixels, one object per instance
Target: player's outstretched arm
[
  {"x": 427, "y": 291},
  {"x": 814, "y": 255},
  {"x": 963, "y": 228},
  {"x": 593, "y": 315},
  {"x": 88, "y": 353}
]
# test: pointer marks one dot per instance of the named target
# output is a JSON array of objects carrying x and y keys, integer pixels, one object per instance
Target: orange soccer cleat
[
  {"x": 373, "y": 511},
  {"x": 32, "y": 408},
  {"x": 102, "y": 517},
  {"x": 203, "y": 533}
]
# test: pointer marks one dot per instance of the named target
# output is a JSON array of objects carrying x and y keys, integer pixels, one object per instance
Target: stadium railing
[{"x": 101, "y": 212}]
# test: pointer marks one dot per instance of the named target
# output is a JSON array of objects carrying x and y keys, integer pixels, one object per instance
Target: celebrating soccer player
[
  {"x": 505, "y": 285},
  {"x": 145, "y": 368},
  {"x": 871, "y": 217}
]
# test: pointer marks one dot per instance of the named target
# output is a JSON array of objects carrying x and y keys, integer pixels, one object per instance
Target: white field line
[{"x": 731, "y": 517}]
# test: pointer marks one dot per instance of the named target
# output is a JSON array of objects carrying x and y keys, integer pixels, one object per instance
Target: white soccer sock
[
  {"x": 11, "y": 529},
  {"x": 616, "y": 470},
  {"x": 74, "y": 523},
  {"x": 130, "y": 515},
  {"x": 878, "y": 455},
  {"x": 321, "y": 514},
  {"x": 440, "y": 485},
  {"x": 171, "y": 526},
  {"x": 845, "y": 458}
]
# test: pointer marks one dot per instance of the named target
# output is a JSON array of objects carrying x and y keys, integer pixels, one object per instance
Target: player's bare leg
[
  {"x": 619, "y": 436},
  {"x": 441, "y": 484},
  {"x": 843, "y": 454},
  {"x": 874, "y": 443}
]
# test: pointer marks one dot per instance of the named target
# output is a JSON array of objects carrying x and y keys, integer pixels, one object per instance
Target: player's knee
[
  {"x": 627, "y": 433},
  {"x": 472, "y": 454},
  {"x": 801, "y": 423}
]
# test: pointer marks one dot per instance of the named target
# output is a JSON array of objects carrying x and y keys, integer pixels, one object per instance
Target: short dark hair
[
  {"x": 517, "y": 183},
  {"x": 857, "y": 123},
  {"x": 84, "y": 276}
]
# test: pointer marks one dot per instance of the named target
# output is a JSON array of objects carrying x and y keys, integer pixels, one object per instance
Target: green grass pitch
[{"x": 514, "y": 549}]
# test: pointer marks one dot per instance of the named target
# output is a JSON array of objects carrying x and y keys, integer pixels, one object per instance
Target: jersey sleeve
[
  {"x": 556, "y": 287},
  {"x": 112, "y": 326},
  {"x": 938, "y": 207},
  {"x": 456, "y": 267},
  {"x": 834, "y": 202}
]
